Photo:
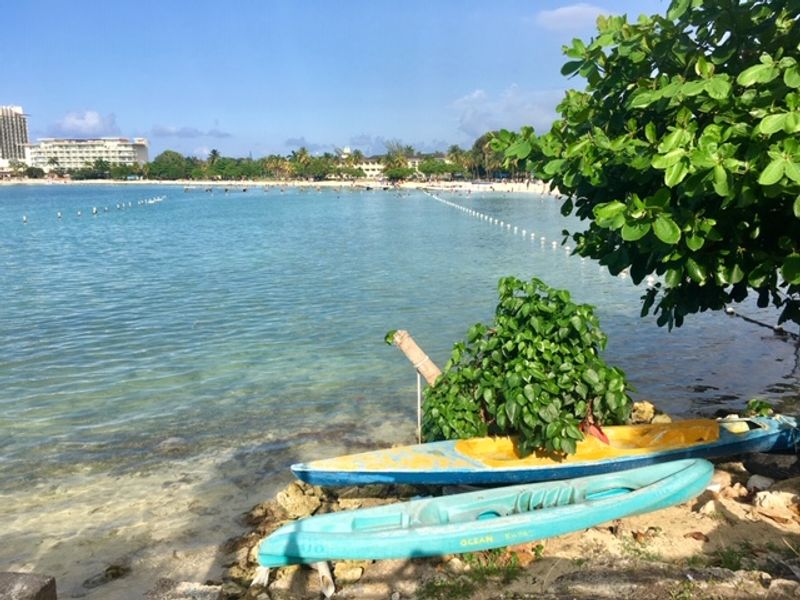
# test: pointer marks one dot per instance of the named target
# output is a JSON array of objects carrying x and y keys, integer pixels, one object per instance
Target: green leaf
[
  {"x": 673, "y": 278},
  {"x": 730, "y": 275},
  {"x": 636, "y": 230},
  {"x": 676, "y": 173},
  {"x": 773, "y": 172},
  {"x": 650, "y": 132},
  {"x": 608, "y": 211},
  {"x": 677, "y": 8},
  {"x": 554, "y": 166},
  {"x": 791, "y": 77},
  {"x": 757, "y": 74},
  {"x": 792, "y": 171},
  {"x": 512, "y": 410},
  {"x": 642, "y": 99},
  {"x": 663, "y": 161},
  {"x": 796, "y": 207},
  {"x": 758, "y": 276},
  {"x": 519, "y": 149},
  {"x": 676, "y": 138},
  {"x": 792, "y": 123},
  {"x": 696, "y": 271},
  {"x": 692, "y": 88},
  {"x": 721, "y": 181},
  {"x": 719, "y": 87},
  {"x": 772, "y": 123},
  {"x": 703, "y": 67},
  {"x": 590, "y": 376},
  {"x": 695, "y": 242},
  {"x": 791, "y": 269},
  {"x": 666, "y": 229},
  {"x": 571, "y": 67}
]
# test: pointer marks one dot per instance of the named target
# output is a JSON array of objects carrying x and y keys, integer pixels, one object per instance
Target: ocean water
[{"x": 161, "y": 364}]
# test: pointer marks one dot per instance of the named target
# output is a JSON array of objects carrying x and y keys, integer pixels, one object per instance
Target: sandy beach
[{"x": 464, "y": 187}]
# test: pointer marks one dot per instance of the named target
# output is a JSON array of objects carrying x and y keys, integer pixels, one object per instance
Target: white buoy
[
  {"x": 58, "y": 215},
  {"x": 79, "y": 213},
  {"x": 94, "y": 210},
  {"x": 651, "y": 280},
  {"x": 25, "y": 219}
]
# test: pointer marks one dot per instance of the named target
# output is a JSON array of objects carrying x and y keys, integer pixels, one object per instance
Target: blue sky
[{"x": 265, "y": 76}]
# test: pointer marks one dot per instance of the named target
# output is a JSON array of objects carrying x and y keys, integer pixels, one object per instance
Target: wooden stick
[{"x": 421, "y": 361}]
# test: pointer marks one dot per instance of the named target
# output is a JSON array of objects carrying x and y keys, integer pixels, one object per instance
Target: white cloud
[
  {"x": 570, "y": 18},
  {"x": 295, "y": 143},
  {"x": 479, "y": 112},
  {"x": 187, "y": 132},
  {"x": 88, "y": 123}
]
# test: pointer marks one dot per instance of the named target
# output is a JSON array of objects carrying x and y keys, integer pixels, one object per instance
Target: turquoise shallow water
[{"x": 218, "y": 317}]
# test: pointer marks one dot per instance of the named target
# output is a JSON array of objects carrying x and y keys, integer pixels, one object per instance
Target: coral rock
[
  {"x": 642, "y": 412},
  {"x": 296, "y": 502}
]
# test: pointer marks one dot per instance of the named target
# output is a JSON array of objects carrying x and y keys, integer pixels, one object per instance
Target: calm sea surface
[{"x": 179, "y": 355}]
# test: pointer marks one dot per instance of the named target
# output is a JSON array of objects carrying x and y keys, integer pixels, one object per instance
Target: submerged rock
[
  {"x": 111, "y": 573},
  {"x": 167, "y": 589}
]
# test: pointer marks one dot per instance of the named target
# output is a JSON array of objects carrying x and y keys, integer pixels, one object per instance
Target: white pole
[{"x": 419, "y": 407}]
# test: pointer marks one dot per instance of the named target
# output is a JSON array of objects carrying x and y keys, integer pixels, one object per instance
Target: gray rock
[
  {"x": 758, "y": 483},
  {"x": 775, "y": 466},
  {"x": 27, "y": 586}
]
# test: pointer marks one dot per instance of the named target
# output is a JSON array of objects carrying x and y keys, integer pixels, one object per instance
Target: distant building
[
  {"x": 13, "y": 133},
  {"x": 373, "y": 168},
  {"x": 51, "y": 153}
]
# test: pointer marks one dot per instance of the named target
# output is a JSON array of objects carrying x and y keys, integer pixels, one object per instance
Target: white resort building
[
  {"x": 51, "y": 153},
  {"x": 373, "y": 169}
]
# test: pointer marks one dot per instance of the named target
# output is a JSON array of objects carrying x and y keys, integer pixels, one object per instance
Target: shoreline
[
  {"x": 740, "y": 538},
  {"x": 533, "y": 187}
]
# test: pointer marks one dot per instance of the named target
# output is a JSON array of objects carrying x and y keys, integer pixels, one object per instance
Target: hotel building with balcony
[{"x": 52, "y": 153}]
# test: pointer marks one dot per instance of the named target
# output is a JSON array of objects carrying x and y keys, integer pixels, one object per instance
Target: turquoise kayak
[{"x": 490, "y": 518}]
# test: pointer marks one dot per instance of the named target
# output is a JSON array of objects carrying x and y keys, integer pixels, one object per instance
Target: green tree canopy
[
  {"x": 168, "y": 165},
  {"x": 682, "y": 153}
]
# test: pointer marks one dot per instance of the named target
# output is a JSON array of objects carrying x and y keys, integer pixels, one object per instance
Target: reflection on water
[{"x": 164, "y": 360}]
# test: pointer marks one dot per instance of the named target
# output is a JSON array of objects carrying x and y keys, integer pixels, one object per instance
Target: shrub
[{"x": 535, "y": 373}]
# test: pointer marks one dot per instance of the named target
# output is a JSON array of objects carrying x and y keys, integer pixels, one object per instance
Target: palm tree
[
  {"x": 356, "y": 158},
  {"x": 396, "y": 155},
  {"x": 213, "y": 156}
]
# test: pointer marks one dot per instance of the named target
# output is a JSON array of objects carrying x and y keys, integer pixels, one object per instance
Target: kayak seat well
[{"x": 624, "y": 440}]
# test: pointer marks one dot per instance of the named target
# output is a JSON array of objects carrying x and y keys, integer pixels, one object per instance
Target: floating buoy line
[
  {"x": 119, "y": 206},
  {"x": 650, "y": 280}
]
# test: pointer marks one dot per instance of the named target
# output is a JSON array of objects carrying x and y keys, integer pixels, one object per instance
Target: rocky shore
[{"x": 739, "y": 539}]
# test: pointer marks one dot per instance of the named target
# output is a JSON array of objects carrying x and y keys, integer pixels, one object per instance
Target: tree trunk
[{"x": 422, "y": 363}]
